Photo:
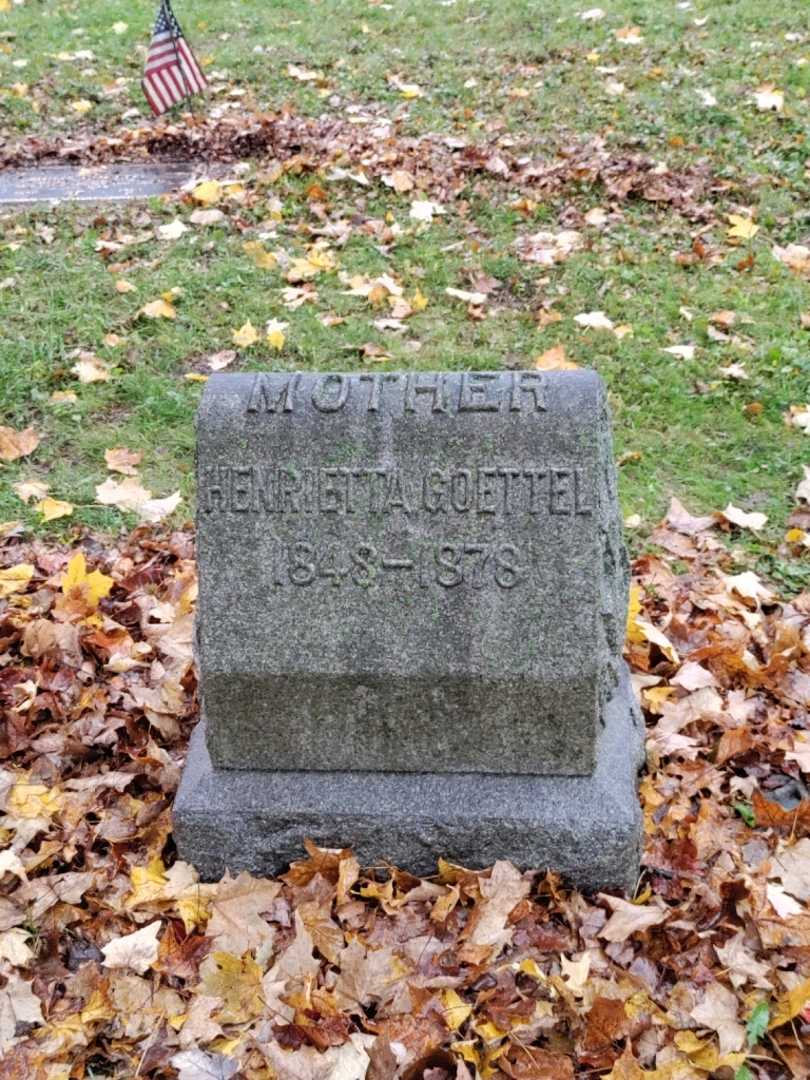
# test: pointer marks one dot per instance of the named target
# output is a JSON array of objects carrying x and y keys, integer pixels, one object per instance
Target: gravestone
[
  {"x": 92, "y": 183},
  {"x": 413, "y": 593}
]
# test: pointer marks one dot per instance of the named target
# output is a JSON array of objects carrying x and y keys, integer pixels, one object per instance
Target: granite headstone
[{"x": 412, "y": 603}]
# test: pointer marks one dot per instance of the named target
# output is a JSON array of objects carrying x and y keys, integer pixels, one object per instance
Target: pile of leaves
[
  {"x": 115, "y": 960},
  {"x": 439, "y": 164}
]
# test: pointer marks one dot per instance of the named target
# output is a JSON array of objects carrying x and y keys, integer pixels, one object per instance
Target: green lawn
[{"x": 517, "y": 78}]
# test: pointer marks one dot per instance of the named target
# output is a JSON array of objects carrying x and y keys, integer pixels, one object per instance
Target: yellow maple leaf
[
  {"x": 634, "y": 631},
  {"x": 531, "y": 967},
  {"x": 51, "y": 509},
  {"x": 419, "y": 301},
  {"x": 554, "y": 359},
  {"x": 92, "y": 586},
  {"x": 703, "y": 1054},
  {"x": 32, "y": 800},
  {"x": 15, "y": 579},
  {"x": 264, "y": 260},
  {"x": 467, "y": 1050},
  {"x": 159, "y": 309},
  {"x": 410, "y": 91},
  {"x": 790, "y": 1005},
  {"x": 237, "y": 980},
  {"x": 148, "y": 882},
  {"x": 456, "y": 1009},
  {"x": 98, "y": 1007},
  {"x": 208, "y": 193},
  {"x": 741, "y": 227},
  {"x": 246, "y": 335},
  {"x": 275, "y": 334},
  {"x": 82, "y": 106},
  {"x": 193, "y": 910},
  {"x": 321, "y": 257}
]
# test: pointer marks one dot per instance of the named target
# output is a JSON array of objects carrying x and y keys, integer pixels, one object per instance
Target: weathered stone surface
[
  {"x": 408, "y": 572},
  {"x": 91, "y": 183},
  {"x": 588, "y": 828}
]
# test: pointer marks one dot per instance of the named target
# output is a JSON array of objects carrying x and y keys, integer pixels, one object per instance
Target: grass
[{"x": 530, "y": 77}]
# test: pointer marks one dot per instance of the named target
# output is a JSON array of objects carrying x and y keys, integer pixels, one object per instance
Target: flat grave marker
[{"x": 92, "y": 183}]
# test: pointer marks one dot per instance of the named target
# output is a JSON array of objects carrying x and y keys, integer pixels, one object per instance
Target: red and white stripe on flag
[{"x": 171, "y": 73}]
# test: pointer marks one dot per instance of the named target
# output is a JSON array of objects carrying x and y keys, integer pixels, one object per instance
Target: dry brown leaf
[
  {"x": 122, "y": 460},
  {"x": 17, "y": 444},
  {"x": 137, "y": 951},
  {"x": 629, "y": 918}
]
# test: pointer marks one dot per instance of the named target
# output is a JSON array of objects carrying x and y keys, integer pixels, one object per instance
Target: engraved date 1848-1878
[{"x": 444, "y": 562}]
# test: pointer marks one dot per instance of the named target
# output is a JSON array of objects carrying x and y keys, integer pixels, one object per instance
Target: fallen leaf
[
  {"x": 274, "y": 331},
  {"x": 718, "y": 1011},
  {"x": 797, "y": 416},
  {"x": 629, "y": 35},
  {"x": 594, "y": 320},
  {"x": 683, "y": 522},
  {"x": 120, "y": 459},
  {"x": 199, "y": 1064},
  {"x": 30, "y": 489},
  {"x": 769, "y": 99},
  {"x": 554, "y": 359},
  {"x": 220, "y": 360},
  {"x": 456, "y": 1010},
  {"x": 548, "y": 248},
  {"x": 683, "y": 352},
  {"x": 51, "y": 509},
  {"x": 88, "y": 369},
  {"x": 17, "y": 444},
  {"x": 236, "y": 980},
  {"x": 424, "y": 210},
  {"x": 137, "y": 951},
  {"x": 790, "y": 1004},
  {"x": 748, "y": 585},
  {"x": 400, "y": 180},
  {"x": 741, "y": 228},
  {"x": 792, "y": 866},
  {"x": 173, "y": 230},
  {"x": 236, "y": 924},
  {"x": 206, "y": 217},
  {"x": 754, "y": 521},
  {"x": 628, "y": 919},
  {"x": 15, "y": 579},
  {"x": 501, "y": 892},
  {"x": 734, "y": 371},
  {"x": 126, "y": 494},
  {"x": 264, "y": 260},
  {"x": 245, "y": 336},
  {"x": 130, "y": 495},
  {"x": 475, "y": 298},
  {"x": 89, "y": 588},
  {"x": 207, "y": 193},
  {"x": 19, "y": 1005},
  {"x": 159, "y": 309}
]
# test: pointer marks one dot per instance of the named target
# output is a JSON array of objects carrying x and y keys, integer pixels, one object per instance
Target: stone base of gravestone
[{"x": 586, "y": 827}]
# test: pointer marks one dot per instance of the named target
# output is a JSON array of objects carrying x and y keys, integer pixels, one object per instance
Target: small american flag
[{"x": 171, "y": 72}]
